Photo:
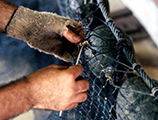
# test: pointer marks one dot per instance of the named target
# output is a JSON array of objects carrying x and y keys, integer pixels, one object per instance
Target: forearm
[
  {"x": 44, "y": 89},
  {"x": 15, "y": 98},
  {"x": 6, "y": 11}
]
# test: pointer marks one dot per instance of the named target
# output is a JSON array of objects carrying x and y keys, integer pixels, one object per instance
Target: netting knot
[
  {"x": 136, "y": 65},
  {"x": 155, "y": 92}
]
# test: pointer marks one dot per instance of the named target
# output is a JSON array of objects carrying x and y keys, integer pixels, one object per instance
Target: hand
[
  {"x": 44, "y": 31},
  {"x": 55, "y": 88},
  {"x": 74, "y": 36}
]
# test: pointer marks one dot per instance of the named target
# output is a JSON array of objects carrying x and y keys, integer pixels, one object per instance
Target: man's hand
[
  {"x": 74, "y": 36},
  {"x": 47, "y": 32},
  {"x": 44, "y": 31},
  {"x": 52, "y": 87},
  {"x": 55, "y": 88}
]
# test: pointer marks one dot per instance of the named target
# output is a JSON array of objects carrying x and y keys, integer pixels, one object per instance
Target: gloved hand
[{"x": 43, "y": 31}]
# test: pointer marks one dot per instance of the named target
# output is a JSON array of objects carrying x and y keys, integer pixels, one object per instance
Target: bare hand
[{"x": 55, "y": 88}]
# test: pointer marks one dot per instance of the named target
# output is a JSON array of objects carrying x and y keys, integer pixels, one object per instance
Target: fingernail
[
  {"x": 76, "y": 38},
  {"x": 64, "y": 31}
]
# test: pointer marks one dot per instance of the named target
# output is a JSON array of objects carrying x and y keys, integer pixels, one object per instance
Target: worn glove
[{"x": 42, "y": 31}]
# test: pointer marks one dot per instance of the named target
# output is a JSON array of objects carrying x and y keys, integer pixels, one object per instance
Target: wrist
[
  {"x": 30, "y": 89},
  {"x": 25, "y": 82},
  {"x": 15, "y": 97},
  {"x": 23, "y": 91},
  {"x": 5, "y": 30},
  {"x": 6, "y": 11},
  {"x": 34, "y": 90}
]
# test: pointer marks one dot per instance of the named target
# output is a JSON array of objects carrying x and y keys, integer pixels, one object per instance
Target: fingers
[
  {"x": 74, "y": 71},
  {"x": 81, "y": 97},
  {"x": 77, "y": 99},
  {"x": 82, "y": 85},
  {"x": 79, "y": 31},
  {"x": 74, "y": 37},
  {"x": 73, "y": 105}
]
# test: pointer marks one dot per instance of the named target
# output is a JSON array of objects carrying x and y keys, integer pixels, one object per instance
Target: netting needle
[
  {"x": 78, "y": 58},
  {"x": 79, "y": 54}
]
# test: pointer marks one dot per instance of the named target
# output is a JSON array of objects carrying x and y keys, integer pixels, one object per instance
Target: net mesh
[{"x": 115, "y": 92}]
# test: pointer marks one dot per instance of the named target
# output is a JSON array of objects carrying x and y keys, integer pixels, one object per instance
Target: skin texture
[
  {"x": 6, "y": 11},
  {"x": 67, "y": 92},
  {"x": 74, "y": 37},
  {"x": 52, "y": 87}
]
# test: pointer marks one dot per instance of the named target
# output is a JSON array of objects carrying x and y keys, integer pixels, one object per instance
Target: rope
[{"x": 118, "y": 35}]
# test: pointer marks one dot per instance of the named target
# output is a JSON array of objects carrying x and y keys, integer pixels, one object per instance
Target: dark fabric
[{"x": 100, "y": 104}]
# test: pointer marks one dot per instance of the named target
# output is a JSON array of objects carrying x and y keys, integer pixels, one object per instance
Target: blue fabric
[{"x": 17, "y": 59}]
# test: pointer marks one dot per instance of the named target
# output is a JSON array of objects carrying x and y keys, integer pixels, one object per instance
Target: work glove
[{"x": 43, "y": 31}]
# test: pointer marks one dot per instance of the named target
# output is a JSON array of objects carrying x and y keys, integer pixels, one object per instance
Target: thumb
[{"x": 74, "y": 37}]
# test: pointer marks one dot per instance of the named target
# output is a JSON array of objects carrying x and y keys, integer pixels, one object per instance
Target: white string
[{"x": 78, "y": 58}]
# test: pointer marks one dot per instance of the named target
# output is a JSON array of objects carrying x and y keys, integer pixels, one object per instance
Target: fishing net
[{"x": 119, "y": 87}]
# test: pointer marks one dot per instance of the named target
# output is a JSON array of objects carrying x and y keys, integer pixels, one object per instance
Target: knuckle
[
  {"x": 70, "y": 76},
  {"x": 74, "y": 90}
]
